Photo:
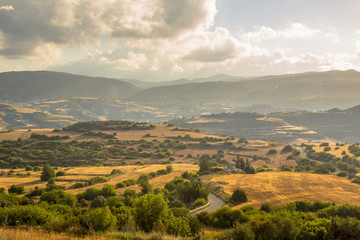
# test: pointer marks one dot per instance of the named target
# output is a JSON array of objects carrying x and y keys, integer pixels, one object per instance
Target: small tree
[
  {"x": 16, "y": 189},
  {"x": 204, "y": 163},
  {"x": 98, "y": 202},
  {"x": 169, "y": 168},
  {"x": 239, "y": 196},
  {"x": 47, "y": 173},
  {"x": 249, "y": 169}
]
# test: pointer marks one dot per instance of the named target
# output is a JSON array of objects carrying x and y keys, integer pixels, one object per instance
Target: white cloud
[
  {"x": 161, "y": 39},
  {"x": 295, "y": 30},
  {"x": 6, "y": 8}
]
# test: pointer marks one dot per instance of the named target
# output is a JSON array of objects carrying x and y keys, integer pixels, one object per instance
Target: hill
[
  {"x": 341, "y": 125},
  {"x": 312, "y": 91},
  {"x": 249, "y": 125},
  {"x": 43, "y": 84},
  {"x": 279, "y": 188},
  {"x": 215, "y": 78}
]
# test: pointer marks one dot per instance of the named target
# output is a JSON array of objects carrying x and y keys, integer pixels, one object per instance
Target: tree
[
  {"x": 98, "y": 202},
  {"x": 150, "y": 209},
  {"x": 239, "y": 163},
  {"x": 249, "y": 169},
  {"x": 47, "y": 173},
  {"x": 204, "y": 163},
  {"x": 16, "y": 189},
  {"x": 239, "y": 196}
]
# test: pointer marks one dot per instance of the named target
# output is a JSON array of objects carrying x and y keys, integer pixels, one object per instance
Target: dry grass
[
  {"x": 132, "y": 172},
  {"x": 37, "y": 234},
  {"x": 281, "y": 187},
  {"x": 33, "y": 234},
  {"x": 337, "y": 152}
]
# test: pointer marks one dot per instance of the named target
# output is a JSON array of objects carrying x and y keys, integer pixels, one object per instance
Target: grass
[
  {"x": 278, "y": 188},
  {"x": 36, "y": 234},
  {"x": 337, "y": 152}
]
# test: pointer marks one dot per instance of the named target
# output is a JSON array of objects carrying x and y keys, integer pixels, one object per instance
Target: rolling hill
[
  {"x": 43, "y": 84},
  {"x": 312, "y": 91}
]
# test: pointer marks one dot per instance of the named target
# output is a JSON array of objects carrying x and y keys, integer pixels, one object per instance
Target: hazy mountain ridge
[
  {"x": 218, "y": 77},
  {"x": 44, "y": 84},
  {"x": 312, "y": 91},
  {"x": 57, "y": 99}
]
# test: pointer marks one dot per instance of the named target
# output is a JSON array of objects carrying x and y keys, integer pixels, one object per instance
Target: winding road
[{"x": 215, "y": 203}]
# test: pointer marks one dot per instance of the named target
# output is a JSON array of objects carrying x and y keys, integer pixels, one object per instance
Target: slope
[{"x": 43, "y": 84}]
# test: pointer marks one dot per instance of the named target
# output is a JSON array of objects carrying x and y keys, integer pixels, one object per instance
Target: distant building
[{"x": 232, "y": 167}]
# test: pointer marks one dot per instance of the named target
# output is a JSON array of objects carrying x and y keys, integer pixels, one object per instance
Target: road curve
[{"x": 215, "y": 203}]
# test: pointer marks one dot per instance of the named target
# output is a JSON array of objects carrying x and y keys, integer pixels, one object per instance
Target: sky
[{"x": 157, "y": 40}]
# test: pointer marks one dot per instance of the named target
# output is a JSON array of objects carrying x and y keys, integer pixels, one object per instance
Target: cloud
[
  {"x": 295, "y": 30},
  {"x": 7, "y": 8},
  {"x": 70, "y": 23},
  {"x": 159, "y": 18},
  {"x": 216, "y": 46}
]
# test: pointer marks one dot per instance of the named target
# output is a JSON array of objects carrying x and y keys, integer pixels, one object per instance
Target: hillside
[
  {"x": 312, "y": 91},
  {"x": 43, "y": 84},
  {"x": 341, "y": 125},
  {"x": 249, "y": 125},
  {"x": 279, "y": 188}
]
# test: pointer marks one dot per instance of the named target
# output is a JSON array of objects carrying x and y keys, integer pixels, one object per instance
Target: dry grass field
[
  {"x": 336, "y": 152},
  {"x": 34, "y": 234},
  {"x": 281, "y": 187},
  {"x": 85, "y": 173},
  {"x": 164, "y": 132},
  {"x": 131, "y": 172}
]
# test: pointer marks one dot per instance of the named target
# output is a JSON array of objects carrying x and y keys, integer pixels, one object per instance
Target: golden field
[{"x": 281, "y": 187}]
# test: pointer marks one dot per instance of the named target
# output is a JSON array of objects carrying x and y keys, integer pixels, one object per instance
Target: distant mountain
[
  {"x": 43, "y": 84},
  {"x": 312, "y": 91},
  {"x": 15, "y": 116},
  {"x": 218, "y": 77},
  {"x": 342, "y": 125},
  {"x": 338, "y": 125},
  {"x": 248, "y": 125}
]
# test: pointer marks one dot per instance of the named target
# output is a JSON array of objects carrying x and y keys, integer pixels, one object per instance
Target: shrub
[
  {"x": 60, "y": 173},
  {"x": 169, "y": 168},
  {"x": 24, "y": 215},
  {"x": 129, "y": 182},
  {"x": 326, "y": 149},
  {"x": 286, "y": 149},
  {"x": 342, "y": 174},
  {"x": 98, "y": 202},
  {"x": 16, "y": 189},
  {"x": 249, "y": 169},
  {"x": 47, "y": 173},
  {"x": 198, "y": 203},
  {"x": 272, "y": 152},
  {"x": 120, "y": 185},
  {"x": 266, "y": 207},
  {"x": 99, "y": 219},
  {"x": 239, "y": 196}
]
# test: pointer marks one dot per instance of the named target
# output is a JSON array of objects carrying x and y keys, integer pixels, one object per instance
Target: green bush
[
  {"x": 98, "y": 202},
  {"x": 24, "y": 215},
  {"x": 16, "y": 189},
  {"x": 239, "y": 196},
  {"x": 198, "y": 203},
  {"x": 120, "y": 185},
  {"x": 98, "y": 219},
  {"x": 272, "y": 152}
]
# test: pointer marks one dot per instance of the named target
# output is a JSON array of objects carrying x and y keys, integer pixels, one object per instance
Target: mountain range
[{"x": 284, "y": 102}]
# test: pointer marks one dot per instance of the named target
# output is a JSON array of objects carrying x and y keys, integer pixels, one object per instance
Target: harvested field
[
  {"x": 131, "y": 172},
  {"x": 281, "y": 187}
]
